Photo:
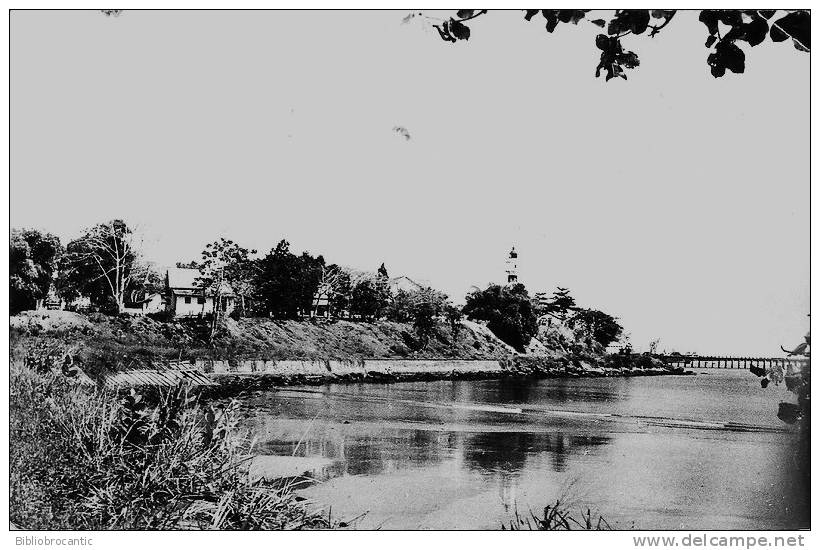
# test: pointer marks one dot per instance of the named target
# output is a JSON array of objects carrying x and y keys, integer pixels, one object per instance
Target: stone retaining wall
[{"x": 359, "y": 369}]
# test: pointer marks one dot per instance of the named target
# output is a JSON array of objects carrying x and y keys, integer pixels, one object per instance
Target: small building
[
  {"x": 185, "y": 296},
  {"x": 320, "y": 307},
  {"x": 142, "y": 302}
]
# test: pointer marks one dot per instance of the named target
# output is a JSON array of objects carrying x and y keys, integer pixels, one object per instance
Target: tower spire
[{"x": 512, "y": 267}]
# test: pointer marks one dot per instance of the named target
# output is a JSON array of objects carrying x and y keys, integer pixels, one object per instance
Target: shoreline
[{"x": 272, "y": 374}]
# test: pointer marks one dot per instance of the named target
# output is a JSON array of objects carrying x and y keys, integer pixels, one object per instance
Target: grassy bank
[
  {"x": 100, "y": 342},
  {"x": 82, "y": 459}
]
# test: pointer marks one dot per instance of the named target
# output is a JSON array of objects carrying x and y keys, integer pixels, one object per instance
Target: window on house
[
  {"x": 200, "y": 301},
  {"x": 187, "y": 299}
]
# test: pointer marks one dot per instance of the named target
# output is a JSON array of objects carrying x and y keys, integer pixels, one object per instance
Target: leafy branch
[{"x": 750, "y": 26}]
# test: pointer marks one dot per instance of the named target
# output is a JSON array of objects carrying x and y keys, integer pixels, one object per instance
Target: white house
[{"x": 185, "y": 297}]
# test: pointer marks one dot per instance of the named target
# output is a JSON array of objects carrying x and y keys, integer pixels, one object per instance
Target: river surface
[{"x": 663, "y": 452}]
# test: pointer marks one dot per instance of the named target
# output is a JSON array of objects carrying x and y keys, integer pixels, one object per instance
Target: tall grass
[
  {"x": 88, "y": 459},
  {"x": 555, "y": 518}
]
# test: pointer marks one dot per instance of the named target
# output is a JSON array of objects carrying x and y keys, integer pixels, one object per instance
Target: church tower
[{"x": 512, "y": 267}]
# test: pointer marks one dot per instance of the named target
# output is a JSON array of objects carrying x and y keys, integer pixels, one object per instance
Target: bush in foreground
[{"x": 84, "y": 459}]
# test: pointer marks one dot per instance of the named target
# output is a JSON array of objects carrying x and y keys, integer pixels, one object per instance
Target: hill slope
[{"x": 101, "y": 342}]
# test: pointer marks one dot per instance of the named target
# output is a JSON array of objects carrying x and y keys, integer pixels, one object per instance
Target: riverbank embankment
[
  {"x": 259, "y": 353},
  {"x": 255, "y": 375}
]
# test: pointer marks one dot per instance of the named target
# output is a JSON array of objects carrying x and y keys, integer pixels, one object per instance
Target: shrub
[
  {"x": 85, "y": 459},
  {"x": 164, "y": 316},
  {"x": 508, "y": 312}
]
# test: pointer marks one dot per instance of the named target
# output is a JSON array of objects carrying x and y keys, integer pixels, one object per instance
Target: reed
[
  {"x": 555, "y": 517},
  {"x": 90, "y": 459}
]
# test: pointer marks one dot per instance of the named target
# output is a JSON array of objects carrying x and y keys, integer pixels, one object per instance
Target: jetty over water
[{"x": 719, "y": 362}]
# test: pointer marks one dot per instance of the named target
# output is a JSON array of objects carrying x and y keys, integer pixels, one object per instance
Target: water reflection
[
  {"x": 499, "y": 443},
  {"x": 485, "y": 452},
  {"x": 509, "y": 451}
]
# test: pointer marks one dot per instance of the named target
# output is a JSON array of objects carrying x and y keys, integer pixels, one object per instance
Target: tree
[
  {"x": 751, "y": 27},
  {"x": 224, "y": 265},
  {"x": 400, "y": 308},
  {"x": 150, "y": 281},
  {"x": 286, "y": 283},
  {"x": 601, "y": 327},
  {"x": 102, "y": 263},
  {"x": 310, "y": 271},
  {"x": 422, "y": 306},
  {"x": 508, "y": 311},
  {"x": 428, "y": 305},
  {"x": 560, "y": 304},
  {"x": 33, "y": 258},
  {"x": 382, "y": 272},
  {"x": 369, "y": 298},
  {"x": 340, "y": 288},
  {"x": 453, "y": 316}
]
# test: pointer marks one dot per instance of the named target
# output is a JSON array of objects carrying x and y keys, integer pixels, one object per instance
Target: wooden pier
[{"x": 718, "y": 362}]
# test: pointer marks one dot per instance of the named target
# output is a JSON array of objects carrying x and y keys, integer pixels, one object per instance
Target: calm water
[{"x": 672, "y": 452}]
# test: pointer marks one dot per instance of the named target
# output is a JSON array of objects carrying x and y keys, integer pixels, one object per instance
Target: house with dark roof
[{"x": 185, "y": 296}]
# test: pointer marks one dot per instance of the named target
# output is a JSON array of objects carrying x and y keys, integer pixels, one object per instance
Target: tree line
[{"x": 106, "y": 265}]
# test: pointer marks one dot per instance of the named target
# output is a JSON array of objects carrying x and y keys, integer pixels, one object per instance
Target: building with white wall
[{"x": 185, "y": 296}]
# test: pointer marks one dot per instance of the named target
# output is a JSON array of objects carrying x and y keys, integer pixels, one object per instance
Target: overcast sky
[{"x": 676, "y": 201}]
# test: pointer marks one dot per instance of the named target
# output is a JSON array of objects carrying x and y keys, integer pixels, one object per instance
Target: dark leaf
[
  {"x": 600, "y": 22},
  {"x": 552, "y": 19},
  {"x": 663, "y": 14},
  {"x": 767, "y": 13},
  {"x": 530, "y": 14},
  {"x": 756, "y": 30},
  {"x": 711, "y": 40},
  {"x": 718, "y": 71},
  {"x": 764, "y": 382},
  {"x": 710, "y": 19},
  {"x": 639, "y": 20},
  {"x": 629, "y": 60},
  {"x": 444, "y": 33},
  {"x": 726, "y": 56},
  {"x": 733, "y": 57},
  {"x": 732, "y": 18},
  {"x": 571, "y": 16},
  {"x": 459, "y": 30},
  {"x": 800, "y": 46},
  {"x": 777, "y": 35},
  {"x": 464, "y": 14},
  {"x": 797, "y": 24},
  {"x": 753, "y": 32},
  {"x": 613, "y": 57}
]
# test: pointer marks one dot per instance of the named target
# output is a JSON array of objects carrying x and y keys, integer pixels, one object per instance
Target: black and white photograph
[{"x": 410, "y": 270}]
